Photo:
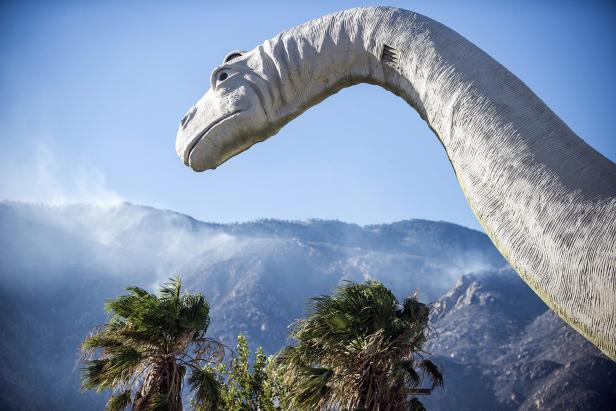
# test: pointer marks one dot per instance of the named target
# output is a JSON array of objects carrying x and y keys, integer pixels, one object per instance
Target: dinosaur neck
[{"x": 546, "y": 198}]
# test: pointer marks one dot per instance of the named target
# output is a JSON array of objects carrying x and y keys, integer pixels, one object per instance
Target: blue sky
[{"x": 91, "y": 94}]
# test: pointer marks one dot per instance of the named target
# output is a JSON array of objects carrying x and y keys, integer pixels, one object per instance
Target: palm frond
[
  {"x": 312, "y": 386},
  {"x": 206, "y": 387},
  {"x": 413, "y": 376},
  {"x": 416, "y": 405},
  {"x": 139, "y": 292},
  {"x": 123, "y": 362},
  {"x": 433, "y": 371},
  {"x": 100, "y": 340},
  {"x": 113, "y": 369},
  {"x": 119, "y": 402},
  {"x": 158, "y": 402},
  {"x": 93, "y": 375},
  {"x": 415, "y": 311},
  {"x": 194, "y": 313},
  {"x": 171, "y": 290}
]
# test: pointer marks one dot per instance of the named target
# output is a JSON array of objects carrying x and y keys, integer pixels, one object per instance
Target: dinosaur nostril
[{"x": 189, "y": 116}]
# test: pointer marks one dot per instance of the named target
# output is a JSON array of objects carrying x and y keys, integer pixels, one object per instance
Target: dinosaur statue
[{"x": 545, "y": 197}]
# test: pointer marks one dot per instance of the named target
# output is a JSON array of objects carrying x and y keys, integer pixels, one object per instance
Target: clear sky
[{"x": 91, "y": 94}]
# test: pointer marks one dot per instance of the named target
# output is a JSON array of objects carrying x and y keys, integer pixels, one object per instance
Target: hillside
[
  {"x": 502, "y": 349},
  {"x": 492, "y": 334}
]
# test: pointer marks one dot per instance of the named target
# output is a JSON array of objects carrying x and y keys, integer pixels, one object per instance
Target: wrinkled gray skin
[{"x": 546, "y": 199}]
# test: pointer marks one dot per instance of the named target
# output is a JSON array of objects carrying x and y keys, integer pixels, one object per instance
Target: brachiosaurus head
[{"x": 230, "y": 117}]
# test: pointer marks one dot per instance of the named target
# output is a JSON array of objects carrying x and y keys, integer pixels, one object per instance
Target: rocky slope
[{"x": 501, "y": 349}]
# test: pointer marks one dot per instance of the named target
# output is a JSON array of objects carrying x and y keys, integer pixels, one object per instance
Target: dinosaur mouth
[{"x": 203, "y": 134}]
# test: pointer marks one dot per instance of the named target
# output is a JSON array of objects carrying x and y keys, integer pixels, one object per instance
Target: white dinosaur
[{"x": 545, "y": 197}]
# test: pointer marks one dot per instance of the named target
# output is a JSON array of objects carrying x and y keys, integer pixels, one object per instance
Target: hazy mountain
[
  {"x": 239, "y": 267},
  {"x": 59, "y": 264}
]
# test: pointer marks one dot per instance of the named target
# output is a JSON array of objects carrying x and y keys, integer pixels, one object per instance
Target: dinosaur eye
[{"x": 219, "y": 76}]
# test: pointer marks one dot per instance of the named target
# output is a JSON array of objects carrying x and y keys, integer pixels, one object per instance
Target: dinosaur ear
[{"x": 233, "y": 55}]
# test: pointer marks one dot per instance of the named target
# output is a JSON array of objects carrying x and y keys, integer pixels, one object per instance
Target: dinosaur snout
[{"x": 189, "y": 116}]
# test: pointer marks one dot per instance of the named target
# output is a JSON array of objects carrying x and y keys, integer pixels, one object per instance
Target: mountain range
[{"x": 499, "y": 345}]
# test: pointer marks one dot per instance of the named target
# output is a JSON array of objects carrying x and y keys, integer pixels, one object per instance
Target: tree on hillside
[
  {"x": 359, "y": 349},
  {"x": 148, "y": 345}
]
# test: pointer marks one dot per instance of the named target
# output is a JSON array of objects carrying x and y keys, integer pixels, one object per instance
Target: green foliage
[
  {"x": 243, "y": 387},
  {"x": 274, "y": 387},
  {"x": 358, "y": 349},
  {"x": 119, "y": 402},
  {"x": 147, "y": 345}
]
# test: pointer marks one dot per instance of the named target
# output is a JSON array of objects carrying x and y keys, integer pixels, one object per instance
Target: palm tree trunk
[{"x": 165, "y": 381}]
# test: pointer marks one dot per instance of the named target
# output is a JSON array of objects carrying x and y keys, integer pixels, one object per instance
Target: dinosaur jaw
[{"x": 201, "y": 151}]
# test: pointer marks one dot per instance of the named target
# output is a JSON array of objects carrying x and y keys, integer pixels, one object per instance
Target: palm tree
[
  {"x": 359, "y": 349},
  {"x": 143, "y": 352}
]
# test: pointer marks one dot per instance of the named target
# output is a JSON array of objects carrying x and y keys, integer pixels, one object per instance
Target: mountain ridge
[{"x": 59, "y": 264}]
